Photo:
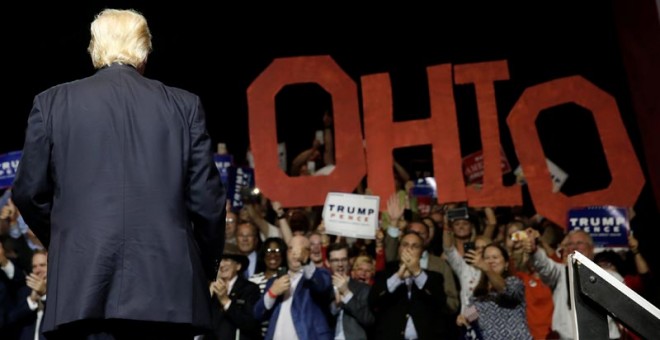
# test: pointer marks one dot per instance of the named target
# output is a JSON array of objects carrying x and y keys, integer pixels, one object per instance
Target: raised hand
[
  {"x": 36, "y": 283},
  {"x": 411, "y": 262},
  {"x": 477, "y": 260},
  {"x": 394, "y": 208},
  {"x": 529, "y": 243},
  {"x": 340, "y": 281},
  {"x": 281, "y": 285},
  {"x": 219, "y": 288}
]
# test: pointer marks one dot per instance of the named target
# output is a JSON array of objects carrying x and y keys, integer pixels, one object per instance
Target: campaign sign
[
  {"x": 424, "y": 191},
  {"x": 223, "y": 163},
  {"x": 558, "y": 175},
  {"x": 351, "y": 215},
  {"x": 473, "y": 166},
  {"x": 240, "y": 178},
  {"x": 607, "y": 225},
  {"x": 8, "y": 166}
]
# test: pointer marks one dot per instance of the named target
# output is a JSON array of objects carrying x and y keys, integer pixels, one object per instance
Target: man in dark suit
[
  {"x": 118, "y": 181},
  {"x": 296, "y": 303},
  {"x": 26, "y": 316},
  {"x": 234, "y": 299},
  {"x": 409, "y": 302},
  {"x": 350, "y": 303}
]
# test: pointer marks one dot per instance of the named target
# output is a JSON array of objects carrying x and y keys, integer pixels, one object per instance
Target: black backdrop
[{"x": 217, "y": 51}]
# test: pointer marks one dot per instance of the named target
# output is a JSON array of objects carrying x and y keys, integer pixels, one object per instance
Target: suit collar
[{"x": 117, "y": 66}]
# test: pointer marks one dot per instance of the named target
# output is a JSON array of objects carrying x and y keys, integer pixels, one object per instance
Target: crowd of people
[{"x": 424, "y": 276}]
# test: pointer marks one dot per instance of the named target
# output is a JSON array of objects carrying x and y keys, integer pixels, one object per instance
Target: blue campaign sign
[
  {"x": 240, "y": 178},
  {"x": 424, "y": 187},
  {"x": 608, "y": 225},
  {"x": 223, "y": 163},
  {"x": 8, "y": 166}
]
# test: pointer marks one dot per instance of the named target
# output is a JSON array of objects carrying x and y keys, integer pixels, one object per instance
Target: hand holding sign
[{"x": 351, "y": 215}]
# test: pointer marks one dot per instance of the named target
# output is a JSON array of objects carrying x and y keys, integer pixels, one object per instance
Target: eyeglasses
[
  {"x": 342, "y": 260},
  {"x": 230, "y": 220},
  {"x": 272, "y": 250}
]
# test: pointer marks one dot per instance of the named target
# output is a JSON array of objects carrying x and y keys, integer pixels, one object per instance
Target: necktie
[{"x": 409, "y": 282}]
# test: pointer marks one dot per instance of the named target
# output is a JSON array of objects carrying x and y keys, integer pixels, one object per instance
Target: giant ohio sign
[{"x": 382, "y": 135}]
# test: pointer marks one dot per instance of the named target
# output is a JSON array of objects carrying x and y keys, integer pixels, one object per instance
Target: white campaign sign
[
  {"x": 351, "y": 215},
  {"x": 558, "y": 175}
]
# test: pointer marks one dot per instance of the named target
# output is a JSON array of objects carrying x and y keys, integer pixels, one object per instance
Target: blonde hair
[
  {"x": 119, "y": 36},
  {"x": 364, "y": 259}
]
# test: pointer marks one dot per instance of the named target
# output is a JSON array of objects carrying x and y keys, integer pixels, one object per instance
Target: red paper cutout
[
  {"x": 350, "y": 165},
  {"x": 440, "y": 130},
  {"x": 626, "y": 173},
  {"x": 492, "y": 193}
]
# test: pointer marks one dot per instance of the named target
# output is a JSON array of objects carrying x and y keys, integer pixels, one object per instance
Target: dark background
[{"x": 217, "y": 51}]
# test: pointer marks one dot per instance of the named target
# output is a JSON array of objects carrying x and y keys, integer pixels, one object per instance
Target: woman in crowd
[
  {"x": 270, "y": 259},
  {"x": 538, "y": 296},
  {"x": 468, "y": 275},
  {"x": 497, "y": 307}
]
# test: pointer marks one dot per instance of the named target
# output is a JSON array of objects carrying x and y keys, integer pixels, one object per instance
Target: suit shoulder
[
  {"x": 55, "y": 89},
  {"x": 179, "y": 92}
]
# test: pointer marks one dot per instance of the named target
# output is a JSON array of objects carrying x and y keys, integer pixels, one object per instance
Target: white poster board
[
  {"x": 557, "y": 174},
  {"x": 351, "y": 215}
]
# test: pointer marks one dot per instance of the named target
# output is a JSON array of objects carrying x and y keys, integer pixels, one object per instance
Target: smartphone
[
  {"x": 281, "y": 271},
  {"x": 467, "y": 246},
  {"x": 458, "y": 214}
]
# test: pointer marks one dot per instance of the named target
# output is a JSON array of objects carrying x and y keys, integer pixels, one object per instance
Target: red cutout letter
[
  {"x": 493, "y": 192},
  {"x": 627, "y": 177},
  {"x": 441, "y": 130},
  {"x": 349, "y": 154}
]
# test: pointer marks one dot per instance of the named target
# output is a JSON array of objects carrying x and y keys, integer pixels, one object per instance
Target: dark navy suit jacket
[
  {"x": 22, "y": 318},
  {"x": 117, "y": 179},
  {"x": 309, "y": 319},
  {"x": 238, "y": 317}
]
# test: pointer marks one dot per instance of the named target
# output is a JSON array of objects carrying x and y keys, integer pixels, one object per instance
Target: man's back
[{"x": 115, "y": 168}]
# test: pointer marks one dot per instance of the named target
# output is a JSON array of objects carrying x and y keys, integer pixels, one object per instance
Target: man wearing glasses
[
  {"x": 409, "y": 302},
  {"x": 350, "y": 304}
]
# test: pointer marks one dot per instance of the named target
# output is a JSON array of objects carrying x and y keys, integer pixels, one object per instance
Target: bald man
[{"x": 295, "y": 302}]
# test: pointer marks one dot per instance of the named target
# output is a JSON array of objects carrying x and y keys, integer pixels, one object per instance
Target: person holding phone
[
  {"x": 461, "y": 252},
  {"x": 498, "y": 298}
]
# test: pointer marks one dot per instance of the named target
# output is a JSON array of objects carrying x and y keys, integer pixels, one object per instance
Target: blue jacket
[{"x": 309, "y": 299}]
